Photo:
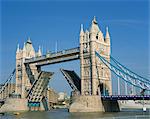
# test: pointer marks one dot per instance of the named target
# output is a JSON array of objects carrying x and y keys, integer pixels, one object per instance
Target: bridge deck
[
  {"x": 72, "y": 78},
  {"x": 52, "y": 58},
  {"x": 126, "y": 97}
]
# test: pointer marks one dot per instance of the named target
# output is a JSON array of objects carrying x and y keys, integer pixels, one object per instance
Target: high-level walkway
[{"x": 52, "y": 58}]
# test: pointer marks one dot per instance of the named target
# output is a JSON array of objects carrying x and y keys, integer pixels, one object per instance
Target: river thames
[{"x": 64, "y": 114}]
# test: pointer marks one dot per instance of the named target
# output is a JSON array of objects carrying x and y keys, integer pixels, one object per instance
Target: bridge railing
[
  {"x": 64, "y": 52},
  {"x": 126, "y": 97}
]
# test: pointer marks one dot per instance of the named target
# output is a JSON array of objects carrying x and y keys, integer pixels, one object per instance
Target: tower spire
[
  {"x": 29, "y": 40},
  {"x": 107, "y": 37},
  {"x": 94, "y": 20},
  {"x": 18, "y": 48},
  {"x": 24, "y": 47},
  {"x": 39, "y": 51},
  {"x": 107, "y": 33},
  {"x": 81, "y": 30},
  {"x": 94, "y": 27}
]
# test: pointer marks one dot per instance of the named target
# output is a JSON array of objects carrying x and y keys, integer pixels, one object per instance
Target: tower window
[{"x": 97, "y": 37}]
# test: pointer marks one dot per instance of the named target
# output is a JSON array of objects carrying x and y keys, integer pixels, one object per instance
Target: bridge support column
[
  {"x": 93, "y": 68},
  {"x": 86, "y": 104},
  {"x": 92, "y": 104}
]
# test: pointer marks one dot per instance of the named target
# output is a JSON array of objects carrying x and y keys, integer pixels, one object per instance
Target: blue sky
[{"x": 47, "y": 21}]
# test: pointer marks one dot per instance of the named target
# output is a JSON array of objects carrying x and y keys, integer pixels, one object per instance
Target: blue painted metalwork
[
  {"x": 33, "y": 104},
  {"x": 123, "y": 75},
  {"x": 8, "y": 80},
  {"x": 129, "y": 72}
]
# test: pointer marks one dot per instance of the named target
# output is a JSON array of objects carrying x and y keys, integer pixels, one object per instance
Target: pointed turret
[
  {"x": 94, "y": 20},
  {"x": 39, "y": 51},
  {"x": 86, "y": 35},
  {"x": 107, "y": 33},
  {"x": 81, "y": 30},
  {"x": 107, "y": 37},
  {"x": 29, "y": 40},
  {"x": 81, "y": 34},
  {"x": 94, "y": 27},
  {"x": 18, "y": 48},
  {"x": 29, "y": 48},
  {"x": 100, "y": 36},
  {"x": 24, "y": 47}
]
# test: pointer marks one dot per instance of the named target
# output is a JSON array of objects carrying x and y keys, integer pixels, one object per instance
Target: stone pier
[{"x": 93, "y": 104}]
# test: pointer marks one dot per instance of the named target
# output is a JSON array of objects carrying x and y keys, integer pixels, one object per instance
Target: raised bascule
[{"x": 91, "y": 92}]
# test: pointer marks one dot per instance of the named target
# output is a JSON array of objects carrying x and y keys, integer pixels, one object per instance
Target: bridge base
[
  {"x": 14, "y": 104},
  {"x": 18, "y": 105},
  {"x": 92, "y": 104}
]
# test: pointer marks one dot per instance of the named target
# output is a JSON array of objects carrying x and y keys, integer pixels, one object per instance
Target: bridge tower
[
  {"x": 95, "y": 76},
  {"x": 31, "y": 82},
  {"x": 22, "y": 80}
]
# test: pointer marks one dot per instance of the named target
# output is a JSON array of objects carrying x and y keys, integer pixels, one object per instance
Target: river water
[{"x": 64, "y": 114}]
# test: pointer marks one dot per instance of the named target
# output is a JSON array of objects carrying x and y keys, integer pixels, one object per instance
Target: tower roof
[
  {"x": 94, "y": 27},
  {"x": 94, "y": 20},
  {"x": 28, "y": 47},
  {"x": 29, "y": 40}
]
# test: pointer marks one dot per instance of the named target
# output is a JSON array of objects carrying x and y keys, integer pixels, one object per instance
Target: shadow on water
[{"x": 63, "y": 114}]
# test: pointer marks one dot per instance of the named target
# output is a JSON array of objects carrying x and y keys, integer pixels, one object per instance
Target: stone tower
[
  {"x": 95, "y": 76},
  {"x": 22, "y": 81}
]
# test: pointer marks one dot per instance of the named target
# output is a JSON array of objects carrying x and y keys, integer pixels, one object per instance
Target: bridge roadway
[
  {"x": 126, "y": 97},
  {"x": 52, "y": 58}
]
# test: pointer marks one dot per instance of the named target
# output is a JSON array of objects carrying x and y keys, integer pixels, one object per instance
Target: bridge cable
[
  {"x": 115, "y": 69},
  {"x": 7, "y": 81},
  {"x": 128, "y": 71}
]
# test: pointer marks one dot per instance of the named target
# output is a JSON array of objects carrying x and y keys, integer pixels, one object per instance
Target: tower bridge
[{"x": 92, "y": 90}]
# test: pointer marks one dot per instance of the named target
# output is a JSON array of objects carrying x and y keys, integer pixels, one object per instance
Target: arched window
[{"x": 97, "y": 37}]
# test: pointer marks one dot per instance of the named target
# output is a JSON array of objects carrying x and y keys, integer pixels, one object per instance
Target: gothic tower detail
[
  {"x": 95, "y": 76},
  {"x": 22, "y": 80}
]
